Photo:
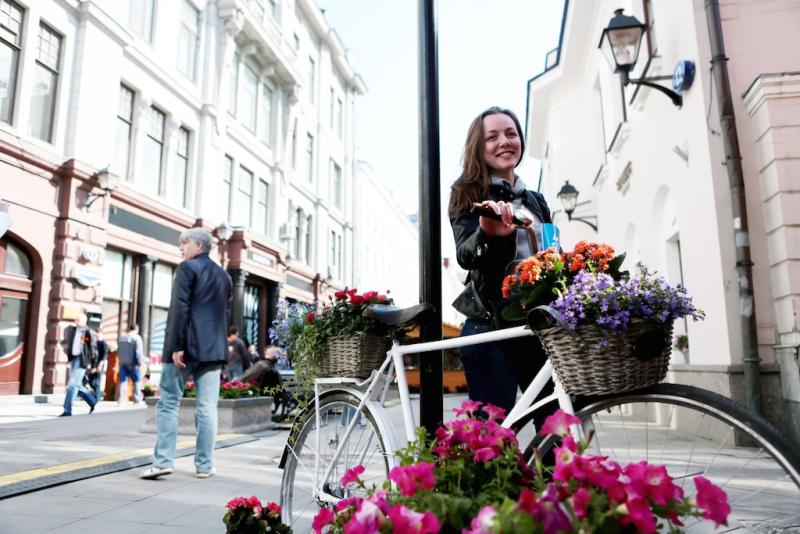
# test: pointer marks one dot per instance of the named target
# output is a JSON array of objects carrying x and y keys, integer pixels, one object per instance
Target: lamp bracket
[{"x": 585, "y": 220}]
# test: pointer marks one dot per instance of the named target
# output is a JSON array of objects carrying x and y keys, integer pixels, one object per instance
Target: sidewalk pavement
[{"x": 80, "y": 474}]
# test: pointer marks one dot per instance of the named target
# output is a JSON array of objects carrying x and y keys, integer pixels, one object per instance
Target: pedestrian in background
[
  {"x": 96, "y": 377},
  {"x": 194, "y": 345},
  {"x": 253, "y": 354},
  {"x": 130, "y": 355},
  {"x": 489, "y": 249},
  {"x": 238, "y": 357},
  {"x": 80, "y": 346}
]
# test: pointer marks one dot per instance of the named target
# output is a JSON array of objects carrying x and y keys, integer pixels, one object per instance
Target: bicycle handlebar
[{"x": 520, "y": 218}]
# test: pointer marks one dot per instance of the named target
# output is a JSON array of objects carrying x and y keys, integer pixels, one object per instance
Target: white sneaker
[
  {"x": 206, "y": 474},
  {"x": 153, "y": 472}
]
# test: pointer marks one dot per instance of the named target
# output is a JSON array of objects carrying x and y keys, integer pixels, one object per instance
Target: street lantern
[
  {"x": 568, "y": 196},
  {"x": 107, "y": 181},
  {"x": 620, "y": 41}
]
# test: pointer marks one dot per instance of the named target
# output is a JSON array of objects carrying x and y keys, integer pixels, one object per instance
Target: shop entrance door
[
  {"x": 13, "y": 309},
  {"x": 15, "y": 290}
]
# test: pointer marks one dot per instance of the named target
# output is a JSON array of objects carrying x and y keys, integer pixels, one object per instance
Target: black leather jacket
[
  {"x": 487, "y": 258},
  {"x": 199, "y": 312}
]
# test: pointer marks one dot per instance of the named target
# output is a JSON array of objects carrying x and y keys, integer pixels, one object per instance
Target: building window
[
  {"x": 227, "y": 179},
  {"x": 296, "y": 41},
  {"x": 273, "y": 9},
  {"x": 312, "y": 79},
  {"x": 262, "y": 207},
  {"x": 247, "y": 104},
  {"x": 266, "y": 114},
  {"x": 117, "y": 293},
  {"x": 339, "y": 126},
  {"x": 177, "y": 190},
  {"x": 335, "y": 253},
  {"x": 309, "y": 248},
  {"x": 294, "y": 146},
  {"x": 10, "y": 44},
  {"x": 250, "y": 317},
  {"x": 233, "y": 84},
  {"x": 162, "y": 291},
  {"x": 153, "y": 152},
  {"x": 333, "y": 108},
  {"x": 122, "y": 152},
  {"x": 336, "y": 184},
  {"x": 140, "y": 18},
  {"x": 298, "y": 219},
  {"x": 245, "y": 197},
  {"x": 188, "y": 40},
  {"x": 45, "y": 84},
  {"x": 310, "y": 158}
]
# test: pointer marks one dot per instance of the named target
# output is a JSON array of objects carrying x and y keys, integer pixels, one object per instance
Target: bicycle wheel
[
  {"x": 693, "y": 432},
  {"x": 365, "y": 446}
]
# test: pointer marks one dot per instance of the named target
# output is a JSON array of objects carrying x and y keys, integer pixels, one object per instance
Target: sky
[{"x": 487, "y": 52}]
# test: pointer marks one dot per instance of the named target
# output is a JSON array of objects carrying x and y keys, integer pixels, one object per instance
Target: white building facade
[
  {"x": 654, "y": 174},
  {"x": 231, "y": 115}
]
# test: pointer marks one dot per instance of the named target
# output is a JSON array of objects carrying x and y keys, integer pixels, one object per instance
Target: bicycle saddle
[{"x": 394, "y": 316}]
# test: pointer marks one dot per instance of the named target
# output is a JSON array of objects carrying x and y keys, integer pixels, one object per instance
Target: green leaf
[
  {"x": 514, "y": 311},
  {"x": 615, "y": 264},
  {"x": 539, "y": 292}
]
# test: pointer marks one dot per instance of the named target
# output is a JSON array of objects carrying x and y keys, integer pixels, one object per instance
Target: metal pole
[
  {"x": 733, "y": 162},
  {"x": 430, "y": 231}
]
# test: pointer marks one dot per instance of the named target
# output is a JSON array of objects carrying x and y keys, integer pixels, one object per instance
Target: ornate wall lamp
[
  {"x": 620, "y": 43},
  {"x": 107, "y": 181},
  {"x": 568, "y": 196}
]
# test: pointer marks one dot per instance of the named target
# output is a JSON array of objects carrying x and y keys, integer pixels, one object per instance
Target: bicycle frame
[{"x": 524, "y": 405}]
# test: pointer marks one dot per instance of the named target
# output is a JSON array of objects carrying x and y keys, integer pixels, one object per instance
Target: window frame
[
  {"x": 55, "y": 73},
  {"x": 16, "y": 51},
  {"x": 194, "y": 40}
]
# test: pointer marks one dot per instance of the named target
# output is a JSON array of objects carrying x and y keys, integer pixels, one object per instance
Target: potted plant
[
  {"x": 339, "y": 341},
  {"x": 248, "y": 515},
  {"x": 242, "y": 408},
  {"x": 682, "y": 343},
  {"x": 471, "y": 478},
  {"x": 603, "y": 329}
]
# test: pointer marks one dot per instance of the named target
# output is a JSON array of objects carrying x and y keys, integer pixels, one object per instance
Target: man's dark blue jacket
[{"x": 199, "y": 312}]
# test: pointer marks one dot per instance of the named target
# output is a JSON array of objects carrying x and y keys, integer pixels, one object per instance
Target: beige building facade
[{"x": 654, "y": 175}]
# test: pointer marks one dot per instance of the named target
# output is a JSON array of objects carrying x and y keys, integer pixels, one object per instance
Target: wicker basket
[
  {"x": 633, "y": 360},
  {"x": 353, "y": 356}
]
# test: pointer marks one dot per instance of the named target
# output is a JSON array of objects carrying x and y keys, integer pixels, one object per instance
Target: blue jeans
[
  {"x": 206, "y": 381},
  {"x": 134, "y": 373},
  {"x": 75, "y": 385}
]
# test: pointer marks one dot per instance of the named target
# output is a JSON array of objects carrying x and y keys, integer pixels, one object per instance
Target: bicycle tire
[
  {"x": 298, "y": 504},
  {"x": 709, "y": 435}
]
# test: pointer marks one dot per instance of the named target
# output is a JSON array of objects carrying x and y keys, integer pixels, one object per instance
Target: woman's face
[{"x": 501, "y": 145}]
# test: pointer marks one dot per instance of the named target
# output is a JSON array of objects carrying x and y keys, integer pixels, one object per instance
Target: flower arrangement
[
  {"x": 597, "y": 298},
  {"x": 545, "y": 276},
  {"x": 149, "y": 389},
  {"x": 341, "y": 317},
  {"x": 250, "y": 516},
  {"x": 471, "y": 478},
  {"x": 289, "y": 321},
  {"x": 234, "y": 389}
]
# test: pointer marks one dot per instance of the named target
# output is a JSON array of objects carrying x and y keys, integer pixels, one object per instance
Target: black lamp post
[
  {"x": 568, "y": 196},
  {"x": 620, "y": 43}
]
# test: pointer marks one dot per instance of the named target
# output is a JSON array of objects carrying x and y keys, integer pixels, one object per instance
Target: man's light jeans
[
  {"x": 75, "y": 385},
  {"x": 206, "y": 381}
]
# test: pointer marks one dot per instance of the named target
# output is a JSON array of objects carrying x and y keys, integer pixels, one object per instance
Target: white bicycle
[{"x": 348, "y": 423}]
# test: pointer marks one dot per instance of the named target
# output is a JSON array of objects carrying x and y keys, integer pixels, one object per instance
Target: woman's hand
[{"x": 501, "y": 228}]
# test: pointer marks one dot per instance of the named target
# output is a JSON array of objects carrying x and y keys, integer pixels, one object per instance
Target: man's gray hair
[{"x": 199, "y": 236}]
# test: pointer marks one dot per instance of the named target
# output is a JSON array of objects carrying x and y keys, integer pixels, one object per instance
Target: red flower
[
  {"x": 712, "y": 501},
  {"x": 369, "y": 295},
  {"x": 341, "y": 295},
  {"x": 310, "y": 317},
  {"x": 274, "y": 509}
]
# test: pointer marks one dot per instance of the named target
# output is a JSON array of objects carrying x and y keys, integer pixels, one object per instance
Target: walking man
[
  {"x": 80, "y": 345},
  {"x": 96, "y": 376},
  {"x": 195, "y": 345},
  {"x": 130, "y": 355}
]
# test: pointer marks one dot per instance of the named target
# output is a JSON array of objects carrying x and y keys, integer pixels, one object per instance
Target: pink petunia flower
[
  {"x": 323, "y": 518},
  {"x": 712, "y": 500},
  {"x": 485, "y": 454},
  {"x": 405, "y": 521},
  {"x": 482, "y": 523},
  {"x": 467, "y": 408},
  {"x": 559, "y": 423},
  {"x": 413, "y": 478},
  {"x": 352, "y": 475},
  {"x": 494, "y": 413},
  {"x": 580, "y": 502}
]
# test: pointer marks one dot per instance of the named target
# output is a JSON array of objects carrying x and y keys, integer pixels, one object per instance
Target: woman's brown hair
[{"x": 473, "y": 184}]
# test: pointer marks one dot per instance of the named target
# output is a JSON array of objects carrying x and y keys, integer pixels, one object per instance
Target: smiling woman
[{"x": 488, "y": 248}]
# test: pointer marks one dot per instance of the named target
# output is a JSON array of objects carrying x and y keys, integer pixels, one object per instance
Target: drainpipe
[{"x": 733, "y": 163}]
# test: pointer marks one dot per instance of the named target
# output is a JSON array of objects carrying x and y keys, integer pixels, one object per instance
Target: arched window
[{"x": 15, "y": 289}]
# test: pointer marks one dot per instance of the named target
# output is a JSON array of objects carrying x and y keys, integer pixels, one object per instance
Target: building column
[
  {"x": 239, "y": 277},
  {"x": 145, "y": 299}
]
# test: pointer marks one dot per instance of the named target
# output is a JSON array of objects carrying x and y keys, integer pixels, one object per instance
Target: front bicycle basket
[
  {"x": 353, "y": 356},
  {"x": 591, "y": 361}
]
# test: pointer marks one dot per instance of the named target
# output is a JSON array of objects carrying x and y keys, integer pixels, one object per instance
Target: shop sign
[
  {"x": 85, "y": 275},
  {"x": 260, "y": 259}
]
